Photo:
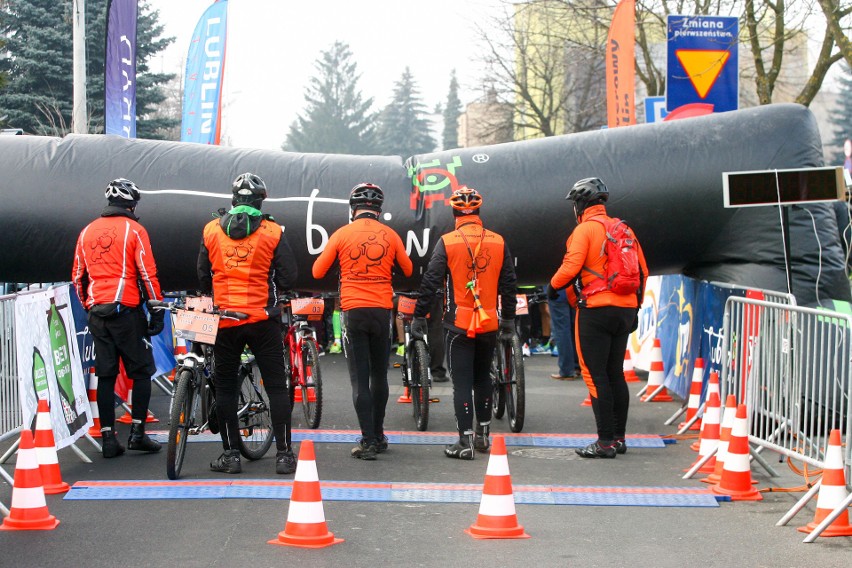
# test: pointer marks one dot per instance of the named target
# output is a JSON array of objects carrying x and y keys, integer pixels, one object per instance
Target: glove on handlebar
[
  {"x": 507, "y": 329},
  {"x": 156, "y": 321},
  {"x": 418, "y": 328}
]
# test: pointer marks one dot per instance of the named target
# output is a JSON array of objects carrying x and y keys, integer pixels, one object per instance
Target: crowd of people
[{"x": 246, "y": 263}]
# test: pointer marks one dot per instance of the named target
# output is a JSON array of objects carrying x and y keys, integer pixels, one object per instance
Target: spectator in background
[{"x": 562, "y": 334}]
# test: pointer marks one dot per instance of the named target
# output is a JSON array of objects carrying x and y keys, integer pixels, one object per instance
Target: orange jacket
[
  {"x": 248, "y": 274},
  {"x": 452, "y": 267},
  {"x": 366, "y": 250},
  {"x": 585, "y": 248},
  {"x": 112, "y": 259}
]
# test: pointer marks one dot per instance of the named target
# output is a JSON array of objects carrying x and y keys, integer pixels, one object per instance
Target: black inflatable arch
[{"x": 665, "y": 179}]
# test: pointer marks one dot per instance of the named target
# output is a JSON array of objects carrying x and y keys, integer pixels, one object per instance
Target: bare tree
[{"x": 546, "y": 57}]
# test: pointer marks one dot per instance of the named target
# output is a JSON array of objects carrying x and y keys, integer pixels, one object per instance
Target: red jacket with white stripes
[{"x": 113, "y": 259}]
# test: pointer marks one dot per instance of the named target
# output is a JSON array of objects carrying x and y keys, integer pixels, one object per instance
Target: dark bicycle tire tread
[{"x": 181, "y": 405}]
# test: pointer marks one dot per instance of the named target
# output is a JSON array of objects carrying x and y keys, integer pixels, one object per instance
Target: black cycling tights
[
  {"x": 106, "y": 400},
  {"x": 469, "y": 362}
]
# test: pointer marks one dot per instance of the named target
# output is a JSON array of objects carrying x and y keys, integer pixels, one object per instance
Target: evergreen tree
[
  {"x": 337, "y": 120},
  {"x": 39, "y": 41},
  {"x": 842, "y": 117},
  {"x": 403, "y": 127},
  {"x": 452, "y": 112}
]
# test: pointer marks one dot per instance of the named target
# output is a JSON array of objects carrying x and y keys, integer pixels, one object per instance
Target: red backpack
[{"x": 622, "y": 266}]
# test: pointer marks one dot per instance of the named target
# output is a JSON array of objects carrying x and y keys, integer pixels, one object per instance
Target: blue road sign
[
  {"x": 702, "y": 61},
  {"x": 655, "y": 109}
]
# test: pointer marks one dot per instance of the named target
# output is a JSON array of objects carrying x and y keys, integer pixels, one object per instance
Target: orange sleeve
[
  {"x": 401, "y": 258},
  {"x": 577, "y": 248},
  {"x": 326, "y": 258},
  {"x": 146, "y": 266}
]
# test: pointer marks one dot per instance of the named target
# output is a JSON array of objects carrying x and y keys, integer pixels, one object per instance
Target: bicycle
[
  {"x": 303, "y": 366},
  {"x": 415, "y": 363},
  {"x": 508, "y": 383},
  {"x": 193, "y": 401}
]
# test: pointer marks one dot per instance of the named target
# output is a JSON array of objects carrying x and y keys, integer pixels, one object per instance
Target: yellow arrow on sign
[{"x": 702, "y": 67}]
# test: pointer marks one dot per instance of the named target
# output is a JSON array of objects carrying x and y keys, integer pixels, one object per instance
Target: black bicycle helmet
[
  {"x": 366, "y": 196},
  {"x": 248, "y": 189},
  {"x": 588, "y": 190},
  {"x": 122, "y": 191},
  {"x": 465, "y": 201}
]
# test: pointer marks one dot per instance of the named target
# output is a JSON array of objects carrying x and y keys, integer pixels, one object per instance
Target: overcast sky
[{"x": 274, "y": 44}]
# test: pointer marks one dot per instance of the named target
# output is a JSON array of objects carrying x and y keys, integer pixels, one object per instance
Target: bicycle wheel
[
  {"x": 498, "y": 404},
  {"x": 312, "y": 387},
  {"x": 514, "y": 387},
  {"x": 181, "y": 420},
  {"x": 418, "y": 365},
  {"x": 255, "y": 420}
]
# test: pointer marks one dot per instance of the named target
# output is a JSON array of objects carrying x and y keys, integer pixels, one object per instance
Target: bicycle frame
[{"x": 298, "y": 329}]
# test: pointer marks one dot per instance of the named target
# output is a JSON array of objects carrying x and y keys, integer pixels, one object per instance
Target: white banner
[{"x": 49, "y": 363}]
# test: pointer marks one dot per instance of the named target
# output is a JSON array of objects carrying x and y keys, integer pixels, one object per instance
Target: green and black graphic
[{"x": 62, "y": 368}]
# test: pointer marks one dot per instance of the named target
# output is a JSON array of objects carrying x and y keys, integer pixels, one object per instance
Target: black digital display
[{"x": 771, "y": 187}]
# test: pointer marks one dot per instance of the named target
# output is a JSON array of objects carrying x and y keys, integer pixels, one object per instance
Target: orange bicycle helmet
[{"x": 465, "y": 200}]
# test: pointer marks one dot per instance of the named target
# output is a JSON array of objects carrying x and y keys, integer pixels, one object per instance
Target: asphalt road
[{"x": 230, "y": 532}]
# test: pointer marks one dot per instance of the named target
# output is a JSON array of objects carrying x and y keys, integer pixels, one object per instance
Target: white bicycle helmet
[{"x": 122, "y": 190}]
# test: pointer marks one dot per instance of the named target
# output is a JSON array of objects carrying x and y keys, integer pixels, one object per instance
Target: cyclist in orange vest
[
  {"x": 113, "y": 272},
  {"x": 248, "y": 265},
  {"x": 366, "y": 251},
  {"x": 604, "y": 319},
  {"x": 473, "y": 266}
]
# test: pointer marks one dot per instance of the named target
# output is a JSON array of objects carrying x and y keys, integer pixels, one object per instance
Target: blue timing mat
[
  {"x": 540, "y": 440},
  {"x": 395, "y": 492}
]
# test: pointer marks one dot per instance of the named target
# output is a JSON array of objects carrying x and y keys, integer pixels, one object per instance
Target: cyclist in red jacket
[{"x": 113, "y": 272}]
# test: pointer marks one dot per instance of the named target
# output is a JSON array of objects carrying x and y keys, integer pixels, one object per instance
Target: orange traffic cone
[
  {"x": 629, "y": 372},
  {"x": 694, "y": 396},
  {"x": 306, "y": 526},
  {"x": 736, "y": 473},
  {"x": 127, "y": 417},
  {"x": 29, "y": 508},
  {"x": 712, "y": 386},
  {"x": 728, "y": 416},
  {"x": 832, "y": 492},
  {"x": 45, "y": 447},
  {"x": 656, "y": 377},
  {"x": 587, "y": 401},
  {"x": 92, "y": 391},
  {"x": 405, "y": 397},
  {"x": 497, "y": 518},
  {"x": 709, "y": 435}
]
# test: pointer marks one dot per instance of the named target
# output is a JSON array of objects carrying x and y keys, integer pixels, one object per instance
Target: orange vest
[
  {"x": 481, "y": 253},
  {"x": 241, "y": 270}
]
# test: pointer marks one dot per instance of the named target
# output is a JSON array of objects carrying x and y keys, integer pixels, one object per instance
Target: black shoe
[
  {"x": 285, "y": 462},
  {"x": 110, "y": 445},
  {"x": 461, "y": 450},
  {"x": 228, "y": 462},
  {"x": 595, "y": 450},
  {"x": 481, "y": 443},
  {"x": 140, "y": 441},
  {"x": 382, "y": 445},
  {"x": 364, "y": 450},
  {"x": 440, "y": 378},
  {"x": 620, "y": 446}
]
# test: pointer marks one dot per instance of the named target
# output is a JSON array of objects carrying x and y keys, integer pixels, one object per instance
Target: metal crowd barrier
[
  {"x": 11, "y": 416},
  {"x": 792, "y": 367}
]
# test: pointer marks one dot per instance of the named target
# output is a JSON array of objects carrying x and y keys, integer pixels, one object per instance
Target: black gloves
[
  {"x": 507, "y": 329},
  {"x": 418, "y": 328},
  {"x": 635, "y": 325},
  {"x": 552, "y": 293},
  {"x": 156, "y": 321}
]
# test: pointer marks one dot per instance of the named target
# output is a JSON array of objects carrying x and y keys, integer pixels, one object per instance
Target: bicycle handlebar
[{"x": 174, "y": 306}]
